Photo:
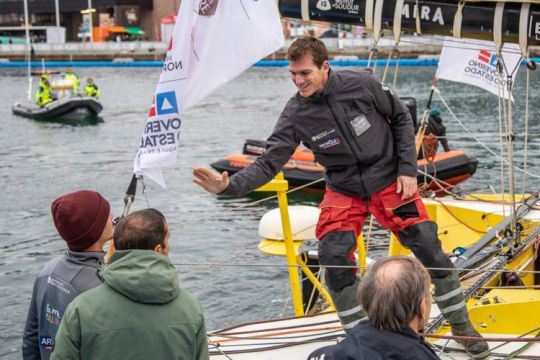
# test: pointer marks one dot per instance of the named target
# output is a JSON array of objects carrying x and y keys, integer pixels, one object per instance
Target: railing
[
  {"x": 295, "y": 261},
  {"x": 81, "y": 48}
]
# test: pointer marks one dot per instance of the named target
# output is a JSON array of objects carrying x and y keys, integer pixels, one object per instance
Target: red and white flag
[
  {"x": 474, "y": 62},
  {"x": 213, "y": 41}
]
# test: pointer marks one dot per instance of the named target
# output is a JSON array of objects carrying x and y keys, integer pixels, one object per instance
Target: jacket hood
[{"x": 144, "y": 276}]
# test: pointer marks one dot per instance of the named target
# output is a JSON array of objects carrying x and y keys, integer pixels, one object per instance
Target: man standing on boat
[
  {"x": 84, "y": 221},
  {"x": 139, "y": 312},
  {"x": 363, "y": 135},
  {"x": 71, "y": 76}
]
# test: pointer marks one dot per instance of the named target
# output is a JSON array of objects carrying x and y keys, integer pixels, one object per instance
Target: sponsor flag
[
  {"x": 213, "y": 41},
  {"x": 474, "y": 62}
]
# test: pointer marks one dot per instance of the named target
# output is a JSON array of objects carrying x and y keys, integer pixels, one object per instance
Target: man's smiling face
[{"x": 307, "y": 77}]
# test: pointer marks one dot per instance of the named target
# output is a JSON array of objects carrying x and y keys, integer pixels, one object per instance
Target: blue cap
[{"x": 435, "y": 112}]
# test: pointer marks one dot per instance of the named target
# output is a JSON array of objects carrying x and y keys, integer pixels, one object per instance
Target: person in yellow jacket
[
  {"x": 43, "y": 95},
  {"x": 70, "y": 75},
  {"x": 91, "y": 89}
]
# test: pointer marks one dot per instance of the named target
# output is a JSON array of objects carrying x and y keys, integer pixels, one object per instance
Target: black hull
[
  {"x": 58, "y": 108},
  {"x": 479, "y": 19},
  {"x": 453, "y": 170}
]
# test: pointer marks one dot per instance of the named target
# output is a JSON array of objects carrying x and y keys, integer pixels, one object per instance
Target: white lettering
[
  {"x": 537, "y": 28},
  {"x": 405, "y": 11},
  {"x": 438, "y": 16},
  {"x": 424, "y": 13},
  {"x": 346, "y": 5}
]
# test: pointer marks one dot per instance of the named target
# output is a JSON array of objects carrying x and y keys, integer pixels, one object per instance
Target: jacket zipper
[{"x": 345, "y": 138}]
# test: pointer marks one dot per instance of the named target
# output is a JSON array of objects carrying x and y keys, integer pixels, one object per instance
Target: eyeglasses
[{"x": 116, "y": 220}]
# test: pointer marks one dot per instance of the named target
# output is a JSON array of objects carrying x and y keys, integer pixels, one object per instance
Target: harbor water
[{"x": 213, "y": 245}]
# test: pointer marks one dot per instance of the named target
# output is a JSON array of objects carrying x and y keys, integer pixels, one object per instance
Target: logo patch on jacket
[
  {"x": 46, "y": 342},
  {"x": 329, "y": 143},
  {"x": 323, "y": 134},
  {"x": 360, "y": 124},
  {"x": 52, "y": 315}
]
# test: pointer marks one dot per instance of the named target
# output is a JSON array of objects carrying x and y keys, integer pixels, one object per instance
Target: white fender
[{"x": 303, "y": 222}]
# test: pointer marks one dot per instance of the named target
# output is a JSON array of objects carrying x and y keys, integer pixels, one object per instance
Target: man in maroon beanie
[{"x": 83, "y": 219}]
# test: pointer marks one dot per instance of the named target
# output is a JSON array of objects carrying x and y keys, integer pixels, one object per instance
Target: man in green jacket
[{"x": 139, "y": 312}]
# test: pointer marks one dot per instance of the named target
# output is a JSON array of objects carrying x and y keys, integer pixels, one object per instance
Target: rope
[
  {"x": 516, "y": 352},
  {"x": 527, "y": 333},
  {"x": 358, "y": 267},
  {"x": 417, "y": 10},
  {"x": 497, "y": 26},
  {"x": 383, "y": 79},
  {"x": 458, "y": 20},
  {"x": 477, "y": 140},
  {"x": 377, "y": 20},
  {"x": 396, "y": 68},
  {"x": 398, "y": 11},
  {"x": 524, "y": 179},
  {"x": 393, "y": 54},
  {"x": 217, "y": 347},
  {"x": 501, "y": 147},
  {"x": 145, "y": 193},
  {"x": 487, "y": 339},
  {"x": 498, "y": 15},
  {"x": 200, "y": 219},
  {"x": 373, "y": 54}
]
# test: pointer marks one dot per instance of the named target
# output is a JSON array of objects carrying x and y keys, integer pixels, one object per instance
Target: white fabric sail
[
  {"x": 213, "y": 41},
  {"x": 474, "y": 62}
]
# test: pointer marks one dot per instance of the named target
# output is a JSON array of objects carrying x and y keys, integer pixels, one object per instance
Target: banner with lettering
[
  {"x": 213, "y": 41},
  {"x": 474, "y": 62}
]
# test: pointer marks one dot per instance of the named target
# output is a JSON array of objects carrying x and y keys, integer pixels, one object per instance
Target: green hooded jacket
[{"x": 138, "y": 313}]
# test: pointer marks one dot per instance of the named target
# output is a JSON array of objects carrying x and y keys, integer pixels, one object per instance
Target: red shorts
[{"x": 345, "y": 213}]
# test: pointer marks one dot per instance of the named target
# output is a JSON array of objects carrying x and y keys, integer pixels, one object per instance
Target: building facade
[{"x": 129, "y": 17}]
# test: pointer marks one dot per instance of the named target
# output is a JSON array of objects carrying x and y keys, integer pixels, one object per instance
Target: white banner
[
  {"x": 474, "y": 62},
  {"x": 213, "y": 41}
]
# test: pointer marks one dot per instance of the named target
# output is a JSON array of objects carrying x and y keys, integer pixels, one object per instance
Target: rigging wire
[
  {"x": 213, "y": 215},
  {"x": 279, "y": 266},
  {"x": 502, "y": 115},
  {"x": 524, "y": 178},
  {"x": 450, "y": 42},
  {"x": 474, "y": 137}
]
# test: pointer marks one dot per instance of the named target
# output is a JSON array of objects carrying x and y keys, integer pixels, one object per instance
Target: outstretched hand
[
  {"x": 406, "y": 186},
  {"x": 210, "y": 181}
]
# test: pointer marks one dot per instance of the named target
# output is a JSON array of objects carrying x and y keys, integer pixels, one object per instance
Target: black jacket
[
  {"x": 366, "y": 342},
  {"x": 436, "y": 127},
  {"x": 357, "y": 129},
  {"x": 56, "y": 285}
]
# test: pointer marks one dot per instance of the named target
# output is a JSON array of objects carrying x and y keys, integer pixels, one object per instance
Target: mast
[
  {"x": 28, "y": 49},
  {"x": 57, "y": 12}
]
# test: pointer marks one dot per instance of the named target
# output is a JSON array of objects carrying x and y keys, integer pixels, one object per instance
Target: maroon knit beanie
[{"x": 80, "y": 218}]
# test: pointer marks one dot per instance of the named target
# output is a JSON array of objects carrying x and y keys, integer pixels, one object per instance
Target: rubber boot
[
  {"x": 334, "y": 249},
  {"x": 449, "y": 299},
  {"x": 477, "y": 349},
  {"x": 346, "y": 304}
]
